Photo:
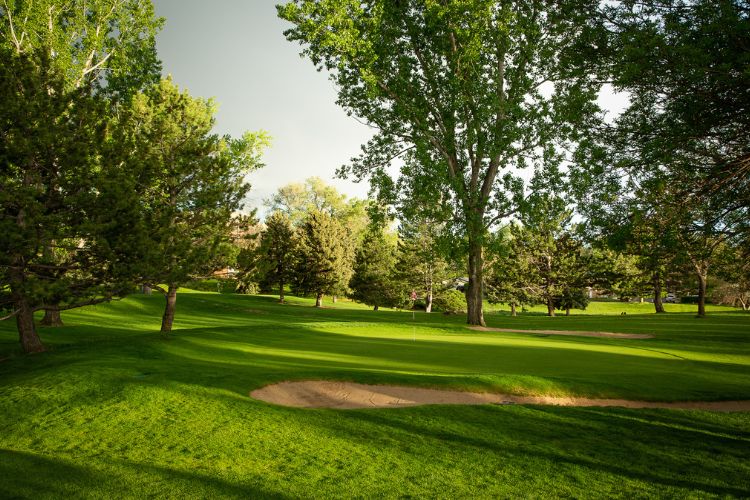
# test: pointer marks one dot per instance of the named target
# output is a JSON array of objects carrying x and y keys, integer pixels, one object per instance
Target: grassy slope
[{"x": 114, "y": 410}]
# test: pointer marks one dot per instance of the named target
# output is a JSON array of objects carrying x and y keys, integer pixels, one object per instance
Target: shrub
[
  {"x": 221, "y": 285},
  {"x": 451, "y": 302}
]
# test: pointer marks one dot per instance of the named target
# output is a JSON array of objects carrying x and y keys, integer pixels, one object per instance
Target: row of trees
[
  {"x": 109, "y": 175},
  {"x": 317, "y": 243}
]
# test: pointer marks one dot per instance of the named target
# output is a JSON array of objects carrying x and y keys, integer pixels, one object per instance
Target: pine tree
[
  {"x": 278, "y": 251},
  {"x": 325, "y": 256},
  {"x": 192, "y": 181},
  {"x": 372, "y": 280}
]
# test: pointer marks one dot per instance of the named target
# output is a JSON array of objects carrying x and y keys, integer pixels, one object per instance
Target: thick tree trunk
[
  {"x": 428, "y": 301},
  {"x": 473, "y": 292},
  {"x": 375, "y": 308},
  {"x": 319, "y": 300},
  {"x": 513, "y": 309},
  {"x": 567, "y": 311},
  {"x": 658, "y": 305},
  {"x": 30, "y": 341},
  {"x": 550, "y": 307},
  {"x": 281, "y": 291},
  {"x": 145, "y": 290},
  {"x": 52, "y": 318},
  {"x": 168, "y": 318},
  {"x": 333, "y": 298},
  {"x": 702, "y": 276}
]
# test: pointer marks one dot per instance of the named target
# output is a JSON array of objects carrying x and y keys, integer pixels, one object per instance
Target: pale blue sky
[{"x": 235, "y": 52}]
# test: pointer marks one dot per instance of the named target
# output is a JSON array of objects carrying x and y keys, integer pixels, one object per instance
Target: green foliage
[
  {"x": 295, "y": 200},
  {"x": 686, "y": 63},
  {"x": 451, "y": 301},
  {"x": 192, "y": 181},
  {"x": 420, "y": 264},
  {"x": 96, "y": 45},
  {"x": 277, "y": 253},
  {"x": 553, "y": 263},
  {"x": 326, "y": 251},
  {"x": 455, "y": 90},
  {"x": 508, "y": 272},
  {"x": 56, "y": 247},
  {"x": 677, "y": 157},
  {"x": 219, "y": 285},
  {"x": 372, "y": 275}
]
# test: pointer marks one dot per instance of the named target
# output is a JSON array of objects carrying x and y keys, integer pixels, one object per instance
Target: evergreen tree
[
  {"x": 553, "y": 258},
  {"x": 192, "y": 181},
  {"x": 508, "y": 273},
  {"x": 326, "y": 251},
  {"x": 278, "y": 251},
  {"x": 372, "y": 280},
  {"x": 64, "y": 67},
  {"x": 51, "y": 253}
]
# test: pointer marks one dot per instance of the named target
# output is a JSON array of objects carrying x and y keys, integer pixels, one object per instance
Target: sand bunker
[
  {"x": 566, "y": 332},
  {"x": 349, "y": 395}
]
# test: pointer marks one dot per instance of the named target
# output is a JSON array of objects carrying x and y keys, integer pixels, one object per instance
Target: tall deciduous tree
[
  {"x": 192, "y": 181},
  {"x": 685, "y": 63},
  {"x": 103, "y": 45},
  {"x": 298, "y": 198},
  {"x": 326, "y": 251},
  {"x": 467, "y": 89}
]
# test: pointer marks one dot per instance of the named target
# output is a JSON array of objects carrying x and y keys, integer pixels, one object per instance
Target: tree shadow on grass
[
  {"x": 31, "y": 475},
  {"x": 648, "y": 448}
]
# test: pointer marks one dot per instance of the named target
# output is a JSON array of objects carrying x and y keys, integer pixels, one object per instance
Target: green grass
[{"x": 115, "y": 411}]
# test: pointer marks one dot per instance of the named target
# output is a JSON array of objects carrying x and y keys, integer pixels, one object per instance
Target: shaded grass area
[{"x": 113, "y": 410}]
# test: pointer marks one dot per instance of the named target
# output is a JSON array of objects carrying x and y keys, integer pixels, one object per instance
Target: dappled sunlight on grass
[{"x": 114, "y": 409}]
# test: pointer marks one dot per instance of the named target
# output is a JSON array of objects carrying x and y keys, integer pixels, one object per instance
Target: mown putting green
[{"x": 113, "y": 410}]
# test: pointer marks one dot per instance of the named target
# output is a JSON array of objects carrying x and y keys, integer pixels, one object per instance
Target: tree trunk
[
  {"x": 567, "y": 311},
  {"x": 333, "y": 298},
  {"x": 702, "y": 275},
  {"x": 27, "y": 334},
  {"x": 145, "y": 290},
  {"x": 473, "y": 292},
  {"x": 375, "y": 308},
  {"x": 168, "y": 318},
  {"x": 319, "y": 300},
  {"x": 550, "y": 307},
  {"x": 513, "y": 309},
  {"x": 658, "y": 305},
  {"x": 52, "y": 318},
  {"x": 281, "y": 291},
  {"x": 428, "y": 302}
]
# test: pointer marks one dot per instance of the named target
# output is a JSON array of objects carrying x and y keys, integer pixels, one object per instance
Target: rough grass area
[{"x": 115, "y": 411}]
